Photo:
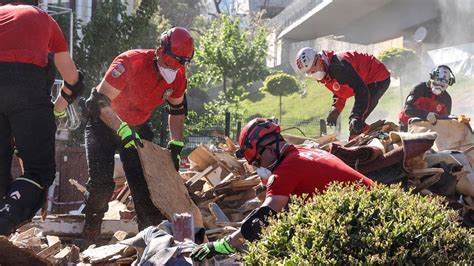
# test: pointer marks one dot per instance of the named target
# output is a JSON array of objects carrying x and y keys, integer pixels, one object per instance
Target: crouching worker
[
  {"x": 429, "y": 100},
  {"x": 286, "y": 170}
]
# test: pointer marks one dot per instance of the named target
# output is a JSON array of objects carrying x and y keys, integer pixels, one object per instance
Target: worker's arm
[
  {"x": 276, "y": 203},
  {"x": 108, "y": 115},
  {"x": 250, "y": 230},
  {"x": 176, "y": 122},
  {"x": 68, "y": 71}
]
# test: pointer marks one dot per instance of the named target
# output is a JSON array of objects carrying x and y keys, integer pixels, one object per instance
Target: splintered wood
[
  {"x": 221, "y": 187},
  {"x": 166, "y": 187}
]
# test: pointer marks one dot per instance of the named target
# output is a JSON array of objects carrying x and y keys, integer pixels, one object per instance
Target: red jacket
[
  {"x": 421, "y": 101},
  {"x": 348, "y": 74}
]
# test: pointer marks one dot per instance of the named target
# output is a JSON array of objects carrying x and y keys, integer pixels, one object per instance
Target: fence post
[
  {"x": 237, "y": 132},
  {"x": 322, "y": 127},
  {"x": 227, "y": 124}
]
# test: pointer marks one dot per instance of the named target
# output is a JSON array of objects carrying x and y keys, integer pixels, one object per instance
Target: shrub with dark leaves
[{"x": 350, "y": 225}]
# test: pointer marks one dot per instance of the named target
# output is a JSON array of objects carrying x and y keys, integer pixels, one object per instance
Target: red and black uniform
[
  {"x": 356, "y": 74},
  {"x": 142, "y": 89},
  {"x": 27, "y": 36},
  {"x": 302, "y": 171},
  {"x": 422, "y": 101}
]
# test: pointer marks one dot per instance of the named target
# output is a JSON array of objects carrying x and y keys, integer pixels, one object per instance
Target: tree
[
  {"x": 229, "y": 54},
  {"x": 110, "y": 32},
  {"x": 280, "y": 85},
  {"x": 402, "y": 62},
  {"x": 181, "y": 12}
]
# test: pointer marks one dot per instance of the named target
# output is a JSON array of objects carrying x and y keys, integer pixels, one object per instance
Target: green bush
[
  {"x": 349, "y": 225},
  {"x": 280, "y": 85}
]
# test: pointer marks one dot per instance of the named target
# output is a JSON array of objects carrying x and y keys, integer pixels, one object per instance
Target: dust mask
[
  {"x": 318, "y": 75},
  {"x": 437, "y": 87},
  {"x": 168, "y": 74},
  {"x": 263, "y": 172}
]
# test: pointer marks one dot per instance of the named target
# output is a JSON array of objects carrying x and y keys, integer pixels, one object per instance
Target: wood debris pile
[{"x": 224, "y": 188}]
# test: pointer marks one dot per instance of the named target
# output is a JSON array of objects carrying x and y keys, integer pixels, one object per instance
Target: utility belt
[
  {"x": 10, "y": 72},
  {"x": 21, "y": 68}
]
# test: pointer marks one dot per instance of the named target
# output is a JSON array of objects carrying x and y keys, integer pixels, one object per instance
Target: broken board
[{"x": 167, "y": 190}]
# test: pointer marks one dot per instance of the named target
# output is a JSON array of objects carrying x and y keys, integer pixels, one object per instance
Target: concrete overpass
[{"x": 361, "y": 21}]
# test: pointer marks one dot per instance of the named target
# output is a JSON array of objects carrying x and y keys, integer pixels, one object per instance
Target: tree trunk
[{"x": 224, "y": 86}]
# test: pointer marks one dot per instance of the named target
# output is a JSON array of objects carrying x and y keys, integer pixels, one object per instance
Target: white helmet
[{"x": 305, "y": 59}]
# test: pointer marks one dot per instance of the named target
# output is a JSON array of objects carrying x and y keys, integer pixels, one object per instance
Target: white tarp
[{"x": 459, "y": 58}]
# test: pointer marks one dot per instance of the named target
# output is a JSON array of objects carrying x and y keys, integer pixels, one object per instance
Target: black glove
[
  {"x": 356, "y": 125},
  {"x": 332, "y": 117},
  {"x": 175, "y": 147}
]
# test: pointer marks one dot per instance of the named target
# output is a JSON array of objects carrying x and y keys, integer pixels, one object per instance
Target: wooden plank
[
  {"x": 214, "y": 177},
  {"x": 218, "y": 213},
  {"x": 73, "y": 225},
  {"x": 13, "y": 255},
  {"x": 118, "y": 236},
  {"x": 200, "y": 175},
  {"x": 124, "y": 193},
  {"x": 79, "y": 187},
  {"x": 183, "y": 227},
  {"x": 201, "y": 159},
  {"x": 52, "y": 240},
  {"x": 231, "y": 162},
  {"x": 103, "y": 253},
  {"x": 167, "y": 190},
  {"x": 63, "y": 255},
  {"x": 50, "y": 251}
]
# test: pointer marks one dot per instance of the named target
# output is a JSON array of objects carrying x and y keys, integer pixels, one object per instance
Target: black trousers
[
  {"x": 101, "y": 144},
  {"x": 376, "y": 91},
  {"x": 27, "y": 120}
]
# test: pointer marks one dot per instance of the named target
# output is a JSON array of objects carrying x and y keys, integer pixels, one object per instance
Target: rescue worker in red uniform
[
  {"x": 347, "y": 74},
  {"x": 428, "y": 100},
  {"x": 119, "y": 109},
  {"x": 27, "y": 115},
  {"x": 286, "y": 170}
]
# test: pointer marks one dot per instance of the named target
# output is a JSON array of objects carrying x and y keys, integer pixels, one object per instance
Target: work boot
[{"x": 19, "y": 205}]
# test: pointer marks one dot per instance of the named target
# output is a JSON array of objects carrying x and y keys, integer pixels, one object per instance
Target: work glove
[
  {"x": 356, "y": 125},
  {"x": 175, "y": 147},
  {"x": 130, "y": 138},
  {"x": 431, "y": 117},
  {"x": 331, "y": 120},
  {"x": 209, "y": 250},
  {"x": 61, "y": 117}
]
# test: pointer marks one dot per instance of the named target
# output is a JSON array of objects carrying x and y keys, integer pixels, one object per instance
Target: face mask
[
  {"x": 168, "y": 74},
  {"x": 437, "y": 89},
  {"x": 264, "y": 172},
  {"x": 318, "y": 75}
]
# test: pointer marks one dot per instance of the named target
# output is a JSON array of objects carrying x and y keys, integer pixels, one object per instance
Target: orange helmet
[
  {"x": 252, "y": 136},
  {"x": 176, "y": 47}
]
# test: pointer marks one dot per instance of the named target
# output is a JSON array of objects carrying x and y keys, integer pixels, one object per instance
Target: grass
[{"x": 305, "y": 112}]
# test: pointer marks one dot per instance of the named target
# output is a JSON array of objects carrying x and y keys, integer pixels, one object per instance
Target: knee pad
[{"x": 96, "y": 102}]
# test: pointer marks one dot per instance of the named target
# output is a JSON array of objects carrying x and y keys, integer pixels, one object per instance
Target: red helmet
[
  {"x": 253, "y": 134},
  {"x": 176, "y": 47}
]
